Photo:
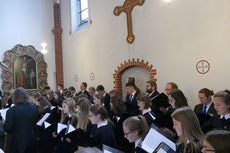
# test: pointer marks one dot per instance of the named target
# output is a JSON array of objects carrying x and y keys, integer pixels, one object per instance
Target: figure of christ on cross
[{"x": 127, "y": 8}]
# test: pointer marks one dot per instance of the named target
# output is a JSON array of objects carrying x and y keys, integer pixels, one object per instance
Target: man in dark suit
[
  {"x": 199, "y": 108},
  {"x": 131, "y": 98},
  {"x": 60, "y": 90},
  {"x": 206, "y": 106},
  {"x": 151, "y": 89},
  {"x": 91, "y": 91},
  {"x": 73, "y": 91},
  {"x": 19, "y": 124},
  {"x": 106, "y": 101},
  {"x": 83, "y": 87}
]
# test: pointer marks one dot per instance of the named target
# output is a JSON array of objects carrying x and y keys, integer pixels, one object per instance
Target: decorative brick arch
[{"x": 127, "y": 64}]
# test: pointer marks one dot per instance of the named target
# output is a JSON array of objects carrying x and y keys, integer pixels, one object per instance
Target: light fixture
[
  {"x": 168, "y": 1},
  {"x": 44, "y": 50}
]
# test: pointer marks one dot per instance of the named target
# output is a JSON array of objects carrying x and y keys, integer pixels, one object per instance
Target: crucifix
[{"x": 127, "y": 8}]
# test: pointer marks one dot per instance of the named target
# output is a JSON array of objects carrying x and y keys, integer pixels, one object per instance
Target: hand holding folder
[
  {"x": 79, "y": 137},
  {"x": 155, "y": 138}
]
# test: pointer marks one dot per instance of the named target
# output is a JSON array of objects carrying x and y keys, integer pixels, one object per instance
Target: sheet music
[
  {"x": 106, "y": 151},
  {"x": 39, "y": 123},
  {"x": 161, "y": 151},
  {"x": 1, "y": 151},
  {"x": 153, "y": 139},
  {"x": 61, "y": 127},
  {"x": 71, "y": 128},
  {"x": 3, "y": 113},
  {"x": 46, "y": 124},
  {"x": 118, "y": 118}
]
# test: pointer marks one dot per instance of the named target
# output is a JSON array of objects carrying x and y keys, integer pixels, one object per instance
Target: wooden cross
[{"x": 127, "y": 8}]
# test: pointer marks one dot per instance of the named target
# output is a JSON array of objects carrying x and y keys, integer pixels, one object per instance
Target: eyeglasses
[
  {"x": 126, "y": 134},
  {"x": 171, "y": 100}
]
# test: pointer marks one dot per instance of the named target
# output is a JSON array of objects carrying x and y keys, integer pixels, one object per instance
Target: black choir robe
[
  {"x": 106, "y": 102},
  {"x": 19, "y": 125},
  {"x": 150, "y": 118},
  {"x": 103, "y": 135},
  {"x": 216, "y": 123}
]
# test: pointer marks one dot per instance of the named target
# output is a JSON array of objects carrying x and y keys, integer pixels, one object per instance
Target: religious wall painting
[
  {"x": 6, "y": 75},
  {"x": 25, "y": 72},
  {"x": 26, "y": 68}
]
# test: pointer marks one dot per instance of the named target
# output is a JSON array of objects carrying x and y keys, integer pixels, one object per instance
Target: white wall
[
  {"x": 28, "y": 22},
  {"x": 173, "y": 37}
]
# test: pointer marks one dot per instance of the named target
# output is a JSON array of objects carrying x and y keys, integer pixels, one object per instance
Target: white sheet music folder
[
  {"x": 154, "y": 138},
  {"x": 39, "y": 123},
  {"x": 3, "y": 113}
]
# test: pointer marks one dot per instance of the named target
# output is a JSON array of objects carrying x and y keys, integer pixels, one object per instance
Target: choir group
[{"x": 89, "y": 121}]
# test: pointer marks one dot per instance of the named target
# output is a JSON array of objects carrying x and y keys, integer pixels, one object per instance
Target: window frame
[{"x": 80, "y": 13}]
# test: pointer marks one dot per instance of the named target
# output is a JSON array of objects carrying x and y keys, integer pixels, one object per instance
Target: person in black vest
[
  {"x": 221, "y": 121},
  {"x": 20, "y": 123},
  {"x": 206, "y": 106},
  {"x": 101, "y": 90},
  {"x": 131, "y": 98},
  {"x": 83, "y": 87}
]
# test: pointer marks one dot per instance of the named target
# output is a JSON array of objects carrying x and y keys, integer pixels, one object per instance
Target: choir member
[
  {"x": 101, "y": 90},
  {"x": 83, "y": 90},
  {"x": 68, "y": 116},
  {"x": 131, "y": 101},
  {"x": 83, "y": 114},
  {"x": 51, "y": 98},
  {"x": 98, "y": 99},
  {"x": 102, "y": 131},
  {"x": 221, "y": 121},
  {"x": 144, "y": 103},
  {"x": 206, "y": 105},
  {"x": 91, "y": 92},
  {"x": 217, "y": 141},
  {"x": 135, "y": 128},
  {"x": 187, "y": 127},
  {"x": 19, "y": 124},
  {"x": 176, "y": 100}
]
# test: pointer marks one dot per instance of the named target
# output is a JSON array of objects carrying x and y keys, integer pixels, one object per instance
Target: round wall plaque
[
  {"x": 92, "y": 76},
  {"x": 202, "y": 67}
]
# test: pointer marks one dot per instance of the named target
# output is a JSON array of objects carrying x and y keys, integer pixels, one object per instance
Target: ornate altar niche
[{"x": 26, "y": 68}]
